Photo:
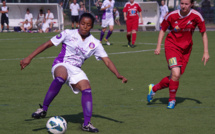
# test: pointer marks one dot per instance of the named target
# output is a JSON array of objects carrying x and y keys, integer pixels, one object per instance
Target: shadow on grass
[
  {"x": 76, "y": 118},
  {"x": 166, "y": 100}
]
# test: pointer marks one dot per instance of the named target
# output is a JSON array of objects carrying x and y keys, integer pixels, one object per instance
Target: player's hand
[
  {"x": 141, "y": 21},
  {"x": 25, "y": 62},
  {"x": 125, "y": 18},
  {"x": 108, "y": 6},
  {"x": 124, "y": 80},
  {"x": 157, "y": 50},
  {"x": 205, "y": 57}
]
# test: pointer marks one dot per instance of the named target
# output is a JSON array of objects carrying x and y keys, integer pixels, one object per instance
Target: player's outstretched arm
[
  {"x": 206, "y": 56},
  {"x": 160, "y": 38},
  {"x": 27, "y": 60},
  {"x": 113, "y": 69}
]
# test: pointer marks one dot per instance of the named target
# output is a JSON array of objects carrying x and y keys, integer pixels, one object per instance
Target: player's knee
[{"x": 61, "y": 71}]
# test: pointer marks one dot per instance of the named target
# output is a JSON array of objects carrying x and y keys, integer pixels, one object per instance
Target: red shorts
[
  {"x": 132, "y": 25},
  {"x": 177, "y": 58}
]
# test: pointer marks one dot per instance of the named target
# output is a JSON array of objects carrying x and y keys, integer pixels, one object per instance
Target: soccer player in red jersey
[
  {"x": 178, "y": 46},
  {"x": 132, "y": 19}
]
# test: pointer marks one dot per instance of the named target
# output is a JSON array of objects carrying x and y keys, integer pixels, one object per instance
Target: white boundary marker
[{"x": 52, "y": 57}]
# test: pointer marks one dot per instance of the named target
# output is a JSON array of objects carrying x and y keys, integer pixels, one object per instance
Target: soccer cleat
[
  {"x": 40, "y": 113},
  {"x": 132, "y": 46},
  {"x": 171, "y": 104},
  {"x": 129, "y": 45},
  {"x": 89, "y": 128},
  {"x": 151, "y": 93},
  {"x": 107, "y": 42}
]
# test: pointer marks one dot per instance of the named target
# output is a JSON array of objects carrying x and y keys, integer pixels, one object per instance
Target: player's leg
[
  {"x": 134, "y": 31},
  {"x": 173, "y": 86},
  {"x": 134, "y": 36},
  {"x": 2, "y": 24},
  {"x": 77, "y": 24},
  {"x": 102, "y": 33},
  {"x": 72, "y": 19},
  {"x": 110, "y": 31},
  {"x": 129, "y": 29},
  {"x": 7, "y": 22},
  {"x": 164, "y": 83},
  {"x": 110, "y": 22},
  {"x": 129, "y": 38},
  {"x": 60, "y": 74},
  {"x": 87, "y": 104}
]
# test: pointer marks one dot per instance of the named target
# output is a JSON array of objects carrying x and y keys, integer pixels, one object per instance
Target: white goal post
[
  {"x": 17, "y": 13},
  {"x": 151, "y": 14}
]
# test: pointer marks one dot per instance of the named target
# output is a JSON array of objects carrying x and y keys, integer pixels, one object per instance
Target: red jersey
[
  {"x": 182, "y": 28},
  {"x": 131, "y": 10}
]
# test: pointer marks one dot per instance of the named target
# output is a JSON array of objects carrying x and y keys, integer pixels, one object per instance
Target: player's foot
[
  {"x": 107, "y": 42},
  {"x": 89, "y": 128},
  {"x": 171, "y": 104},
  {"x": 132, "y": 46},
  {"x": 40, "y": 113},
  {"x": 129, "y": 44},
  {"x": 151, "y": 93}
]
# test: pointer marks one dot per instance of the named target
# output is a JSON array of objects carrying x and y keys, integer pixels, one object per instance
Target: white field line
[{"x": 52, "y": 57}]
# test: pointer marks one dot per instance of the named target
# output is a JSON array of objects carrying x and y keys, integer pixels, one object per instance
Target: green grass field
[{"x": 117, "y": 108}]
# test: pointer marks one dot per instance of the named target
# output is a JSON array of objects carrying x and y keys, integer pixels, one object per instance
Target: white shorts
[
  {"x": 161, "y": 20},
  {"x": 107, "y": 22},
  {"x": 75, "y": 75},
  {"x": 49, "y": 21}
]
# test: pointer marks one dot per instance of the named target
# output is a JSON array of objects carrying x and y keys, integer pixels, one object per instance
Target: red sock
[
  {"x": 173, "y": 87},
  {"x": 134, "y": 36},
  {"x": 164, "y": 83},
  {"x": 129, "y": 37}
]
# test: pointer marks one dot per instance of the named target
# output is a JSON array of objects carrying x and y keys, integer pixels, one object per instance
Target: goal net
[{"x": 151, "y": 14}]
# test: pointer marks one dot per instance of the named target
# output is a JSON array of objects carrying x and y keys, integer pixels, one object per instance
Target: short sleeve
[
  {"x": 125, "y": 9},
  {"x": 201, "y": 23},
  {"x": 31, "y": 16},
  {"x": 100, "y": 52},
  {"x": 165, "y": 24},
  {"x": 103, "y": 5},
  {"x": 52, "y": 15},
  {"x": 56, "y": 40},
  {"x": 167, "y": 10},
  {"x": 139, "y": 8}
]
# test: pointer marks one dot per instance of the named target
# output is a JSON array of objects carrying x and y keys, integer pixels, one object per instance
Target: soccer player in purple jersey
[
  {"x": 107, "y": 19},
  {"x": 77, "y": 46}
]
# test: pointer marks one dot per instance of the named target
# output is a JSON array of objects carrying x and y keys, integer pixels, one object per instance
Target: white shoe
[{"x": 108, "y": 43}]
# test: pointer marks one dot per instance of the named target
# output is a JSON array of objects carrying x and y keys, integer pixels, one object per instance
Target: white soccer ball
[{"x": 56, "y": 125}]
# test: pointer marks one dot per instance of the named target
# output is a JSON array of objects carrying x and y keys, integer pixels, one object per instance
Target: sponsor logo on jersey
[
  {"x": 91, "y": 45},
  {"x": 73, "y": 39},
  {"x": 59, "y": 36},
  {"x": 172, "y": 61},
  {"x": 189, "y": 22},
  {"x": 177, "y": 28}
]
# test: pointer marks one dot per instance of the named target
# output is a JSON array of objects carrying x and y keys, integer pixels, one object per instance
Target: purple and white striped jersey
[
  {"x": 74, "y": 50},
  {"x": 108, "y": 13}
]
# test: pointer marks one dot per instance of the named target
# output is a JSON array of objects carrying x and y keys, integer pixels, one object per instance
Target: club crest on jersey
[
  {"x": 59, "y": 36},
  {"x": 177, "y": 28},
  {"x": 91, "y": 45}
]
